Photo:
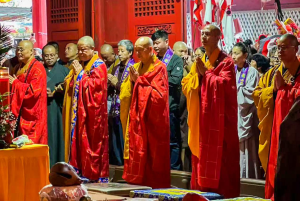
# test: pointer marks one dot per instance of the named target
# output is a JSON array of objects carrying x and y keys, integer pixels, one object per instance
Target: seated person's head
[{"x": 260, "y": 62}]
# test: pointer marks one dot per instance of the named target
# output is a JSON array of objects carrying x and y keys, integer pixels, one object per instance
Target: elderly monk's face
[
  {"x": 24, "y": 52},
  {"x": 209, "y": 37},
  {"x": 286, "y": 50},
  {"x": 71, "y": 51},
  {"x": 181, "y": 51},
  {"x": 85, "y": 52},
  {"x": 143, "y": 52},
  {"x": 50, "y": 56}
]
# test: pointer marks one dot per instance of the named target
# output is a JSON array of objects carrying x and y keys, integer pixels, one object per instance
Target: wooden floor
[{"x": 180, "y": 179}]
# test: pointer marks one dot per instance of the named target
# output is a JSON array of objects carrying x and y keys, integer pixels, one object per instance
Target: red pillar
[{"x": 39, "y": 22}]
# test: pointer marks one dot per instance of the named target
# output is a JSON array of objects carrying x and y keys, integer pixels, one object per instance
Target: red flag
[{"x": 198, "y": 7}]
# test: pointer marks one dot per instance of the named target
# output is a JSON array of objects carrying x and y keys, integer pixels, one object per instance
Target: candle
[{"x": 4, "y": 84}]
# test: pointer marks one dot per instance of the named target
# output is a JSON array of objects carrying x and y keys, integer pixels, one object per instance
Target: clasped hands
[
  {"x": 77, "y": 67},
  {"x": 12, "y": 78},
  {"x": 278, "y": 81},
  {"x": 113, "y": 80},
  {"x": 200, "y": 66},
  {"x": 133, "y": 74}
]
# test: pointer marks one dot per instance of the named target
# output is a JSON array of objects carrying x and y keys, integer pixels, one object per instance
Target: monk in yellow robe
[
  {"x": 264, "y": 101},
  {"x": 144, "y": 114}
]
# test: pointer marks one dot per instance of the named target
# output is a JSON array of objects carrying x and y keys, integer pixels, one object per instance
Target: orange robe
[
  {"x": 285, "y": 98},
  {"x": 89, "y": 139},
  {"x": 146, "y": 127},
  {"x": 29, "y": 101},
  {"x": 212, "y": 120}
]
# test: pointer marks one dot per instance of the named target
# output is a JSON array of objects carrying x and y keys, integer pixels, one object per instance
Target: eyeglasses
[{"x": 283, "y": 48}]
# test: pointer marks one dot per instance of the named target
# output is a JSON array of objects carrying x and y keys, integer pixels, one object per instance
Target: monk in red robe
[
  {"x": 285, "y": 93},
  {"x": 210, "y": 89},
  {"x": 145, "y": 120},
  {"x": 89, "y": 134},
  {"x": 29, "y": 95}
]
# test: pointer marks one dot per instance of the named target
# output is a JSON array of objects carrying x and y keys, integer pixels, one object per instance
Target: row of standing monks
[{"x": 144, "y": 106}]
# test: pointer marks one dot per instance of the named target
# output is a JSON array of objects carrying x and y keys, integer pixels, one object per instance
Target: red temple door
[
  {"x": 146, "y": 16},
  {"x": 67, "y": 21}
]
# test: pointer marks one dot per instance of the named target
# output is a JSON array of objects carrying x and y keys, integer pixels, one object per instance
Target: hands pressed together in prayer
[
  {"x": 133, "y": 74},
  {"x": 12, "y": 78},
  {"x": 77, "y": 67},
  {"x": 201, "y": 68},
  {"x": 113, "y": 80},
  {"x": 278, "y": 81}
]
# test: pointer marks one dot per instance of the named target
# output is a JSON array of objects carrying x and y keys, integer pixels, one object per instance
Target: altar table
[{"x": 23, "y": 172}]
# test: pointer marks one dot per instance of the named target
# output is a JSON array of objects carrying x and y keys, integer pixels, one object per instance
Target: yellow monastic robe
[
  {"x": 67, "y": 113},
  {"x": 117, "y": 61},
  {"x": 190, "y": 88},
  {"x": 263, "y": 99},
  {"x": 125, "y": 97}
]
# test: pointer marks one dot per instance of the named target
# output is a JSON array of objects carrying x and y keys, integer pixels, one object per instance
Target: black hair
[
  {"x": 160, "y": 34},
  {"x": 262, "y": 62},
  {"x": 202, "y": 49},
  {"x": 242, "y": 47},
  {"x": 54, "y": 44}
]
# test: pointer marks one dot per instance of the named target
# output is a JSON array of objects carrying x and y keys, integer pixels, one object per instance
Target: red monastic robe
[
  {"x": 146, "y": 126},
  {"x": 29, "y": 100},
  {"x": 215, "y": 161},
  {"x": 285, "y": 98},
  {"x": 89, "y": 147}
]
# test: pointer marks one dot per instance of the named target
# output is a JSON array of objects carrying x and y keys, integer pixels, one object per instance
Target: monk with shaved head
[
  {"x": 280, "y": 98},
  {"x": 109, "y": 57},
  {"x": 71, "y": 53},
  {"x": 86, "y": 133},
  {"x": 145, "y": 119},
  {"x": 29, "y": 95},
  {"x": 210, "y": 89}
]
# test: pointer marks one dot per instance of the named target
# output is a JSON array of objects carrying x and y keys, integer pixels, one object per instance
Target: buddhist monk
[
  {"x": 175, "y": 72},
  {"x": 56, "y": 74},
  {"x": 29, "y": 95},
  {"x": 89, "y": 132},
  {"x": 71, "y": 53},
  {"x": 285, "y": 92},
  {"x": 264, "y": 99},
  {"x": 145, "y": 120},
  {"x": 210, "y": 89},
  {"x": 109, "y": 57}
]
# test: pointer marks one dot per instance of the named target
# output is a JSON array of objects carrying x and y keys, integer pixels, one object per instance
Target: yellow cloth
[
  {"x": 21, "y": 70},
  {"x": 117, "y": 61},
  {"x": 125, "y": 97},
  {"x": 190, "y": 88},
  {"x": 263, "y": 99},
  {"x": 212, "y": 59},
  {"x": 68, "y": 101},
  {"x": 23, "y": 172}
]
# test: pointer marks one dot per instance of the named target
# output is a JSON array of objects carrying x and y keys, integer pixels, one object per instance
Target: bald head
[
  {"x": 86, "y": 48},
  {"x": 108, "y": 55},
  {"x": 210, "y": 37},
  {"x": 287, "y": 48},
  {"x": 290, "y": 39},
  {"x": 50, "y": 55},
  {"x": 25, "y": 51},
  {"x": 71, "y": 51},
  {"x": 87, "y": 40},
  {"x": 144, "y": 48},
  {"x": 144, "y": 41},
  {"x": 180, "y": 48}
]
